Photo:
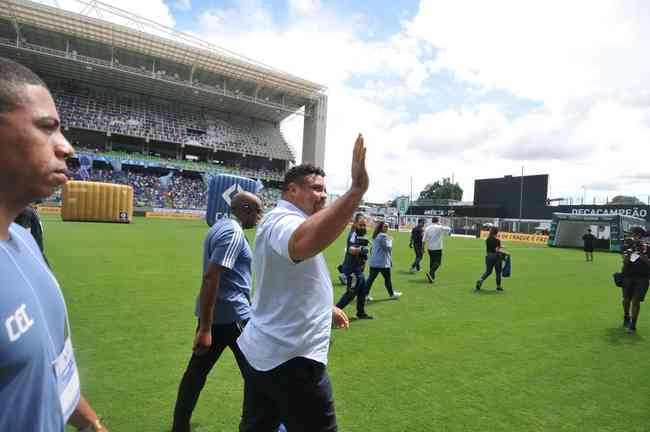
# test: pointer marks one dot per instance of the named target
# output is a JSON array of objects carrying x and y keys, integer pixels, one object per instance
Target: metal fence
[{"x": 472, "y": 225}]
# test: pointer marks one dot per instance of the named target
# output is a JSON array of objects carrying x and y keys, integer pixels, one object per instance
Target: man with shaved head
[
  {"x": 39, "y": 381},
  {"x": 223, "y": 304}
]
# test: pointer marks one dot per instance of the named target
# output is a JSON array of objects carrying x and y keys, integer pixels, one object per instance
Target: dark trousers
[
  {"x": 492, "y": 261},
  {"x": 418, "y": 257},
  {"x": 198, "y": 368},
  {"x": 360, "y": 291},
  {"x": 385, "y": 272},
  {"x": 297, "y": 393},
  {"x": 435, "y": 259}
]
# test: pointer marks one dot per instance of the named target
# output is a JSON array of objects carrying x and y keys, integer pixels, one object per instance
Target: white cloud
[
  {"x": 592, "y": 117},
  {"x": 584, "y": 61},
  {"x": 304, "y": 7},
  {"x": 183, "y": 5},
  {"x": 550, "y": 51},
  {"x": 453, "y": 131}
]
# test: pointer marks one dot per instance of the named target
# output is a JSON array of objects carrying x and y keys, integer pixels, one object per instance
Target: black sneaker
[
  {"x": 478, "y": 285},
  {"x": 365, "y": 316},
  {"x": 429, "y": 278},
  {"x": 631, "y": 329},
  {"x": 499, "y": 289},
  {"x": 626, "y": 321}
]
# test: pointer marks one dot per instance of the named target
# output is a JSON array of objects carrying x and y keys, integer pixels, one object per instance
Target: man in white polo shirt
[
  {"x": 433, "y": 238},
  {"x": 283, "y": 349}
]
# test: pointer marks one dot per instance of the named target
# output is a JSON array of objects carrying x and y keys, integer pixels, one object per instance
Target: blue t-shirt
[
  {"x": 32, "y": 335},
  {"x": 226, "y": 246}
]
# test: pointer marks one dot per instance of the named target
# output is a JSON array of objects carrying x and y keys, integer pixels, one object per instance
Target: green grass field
[{"x": 549, "y": 354}]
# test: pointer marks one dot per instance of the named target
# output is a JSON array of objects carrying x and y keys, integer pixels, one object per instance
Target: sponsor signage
[{"x": 527, "y": 238}]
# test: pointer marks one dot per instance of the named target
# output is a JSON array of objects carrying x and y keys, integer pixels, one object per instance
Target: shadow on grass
[
  {"x": 356, "y": 319},
  {"x": 420, "y": 282},
  {"x": 489, "y": 292},
  {"x": 404, "y": 272},
  {"x": 370, "y": 303},
  {"x": 619, "y": 336}
]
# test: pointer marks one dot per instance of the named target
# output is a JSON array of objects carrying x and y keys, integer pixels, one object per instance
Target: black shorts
[
  {"x": 635, "y": 287},
  {"x": 588, "y": 249}
]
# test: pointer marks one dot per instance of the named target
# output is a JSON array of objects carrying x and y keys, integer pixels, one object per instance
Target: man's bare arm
[
  {"x": 207, "y": 298},
  {"x": 208, "y": 295},
  {"x": 84, "y": 417},
  {"x": 323, "y": 228}
]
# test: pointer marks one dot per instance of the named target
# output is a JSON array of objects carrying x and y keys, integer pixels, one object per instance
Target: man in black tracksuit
[
  {"x": 30, "y": 220},
  {"x": 354, "y": 265},
  {"x": 417, "y": 236},
  {"x": 636, "y": 269}
]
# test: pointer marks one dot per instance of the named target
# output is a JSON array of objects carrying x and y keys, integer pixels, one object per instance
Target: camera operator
[
  {"x": 342, "y": 277},
  {"x": 636, "y": 266},
  {"x": 356, "y": 256}
]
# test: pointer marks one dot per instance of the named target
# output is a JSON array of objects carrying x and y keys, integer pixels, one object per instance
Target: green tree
[
  {"x": 622, "y": 199},
  {"x": 442, "y": 189}
]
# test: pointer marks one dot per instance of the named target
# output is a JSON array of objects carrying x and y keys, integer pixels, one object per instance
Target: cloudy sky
[{"x": 464, "y": 88}]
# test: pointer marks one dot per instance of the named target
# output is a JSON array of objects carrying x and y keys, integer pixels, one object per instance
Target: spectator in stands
[
  {"x": 40, "y": 388},
  {"x": 433, "y": 237},
  {"x": 381, "y": 261},
  {"x": 96, "y": 108},
  {"x": 184, "y": 192},
  {"x": 223, "y": 305},
  {"x": 290, "y": 328}
]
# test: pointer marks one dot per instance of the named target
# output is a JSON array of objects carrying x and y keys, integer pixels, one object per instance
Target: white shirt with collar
[
  {"x": 433, "y": 236},
  {"x": 291, "y": 314}
]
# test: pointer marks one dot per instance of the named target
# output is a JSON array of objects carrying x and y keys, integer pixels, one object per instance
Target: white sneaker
[
  {"x": 369, "y": 299},
  {"x": 396, "y": 295}
]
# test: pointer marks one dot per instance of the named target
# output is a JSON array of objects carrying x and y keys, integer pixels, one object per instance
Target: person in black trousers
[
  {"x": 589, "y": 240},
  {"x": 416, "y": 242},
  {"x": 381, "y": 260},
  {"x": 343, "y": 278},
  {"x": 493, "y": 259},
  {"x": 223, "y": 303},
  {"x": 356, "y": 256},
  {"x": 30, "y": 220},
  {"x": 636, "y": 269}
]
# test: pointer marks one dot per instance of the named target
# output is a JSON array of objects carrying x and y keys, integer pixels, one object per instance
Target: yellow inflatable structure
[{"x": 97, "y": 202}]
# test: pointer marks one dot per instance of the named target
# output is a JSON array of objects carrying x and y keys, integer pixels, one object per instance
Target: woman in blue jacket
[{"x": 380, "y": 259}]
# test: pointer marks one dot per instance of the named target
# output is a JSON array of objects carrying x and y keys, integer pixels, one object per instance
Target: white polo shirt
[
  {"x": 433, "y": 236},
  {"x": 291, "y": 314}
]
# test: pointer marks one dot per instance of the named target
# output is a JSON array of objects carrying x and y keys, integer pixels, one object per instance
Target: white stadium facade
[{"x": 159, "y": 91}]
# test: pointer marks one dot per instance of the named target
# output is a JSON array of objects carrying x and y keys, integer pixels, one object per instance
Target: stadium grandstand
[{"x": 140, "y": 101}]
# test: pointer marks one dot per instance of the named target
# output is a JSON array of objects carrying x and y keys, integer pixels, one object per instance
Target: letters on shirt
[{"x": 18, "y": 324}]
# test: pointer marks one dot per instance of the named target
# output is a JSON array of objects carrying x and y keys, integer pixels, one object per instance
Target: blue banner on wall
[{"x": 221, "y": 190}]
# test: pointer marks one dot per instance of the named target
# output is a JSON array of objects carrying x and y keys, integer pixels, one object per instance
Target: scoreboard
[{"x": 505, "y": 192}]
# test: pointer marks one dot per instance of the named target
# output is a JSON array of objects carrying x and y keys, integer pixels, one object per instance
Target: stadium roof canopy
[{"x": 145, "y": 57}]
